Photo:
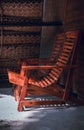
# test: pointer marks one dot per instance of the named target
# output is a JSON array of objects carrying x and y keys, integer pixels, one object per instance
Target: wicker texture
[
  {"x": 23, "y": 9},
  {"x": 19, "y": 41}
]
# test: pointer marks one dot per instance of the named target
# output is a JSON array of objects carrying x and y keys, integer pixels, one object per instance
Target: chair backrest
[
  {"x": 57, "y": 46},
  {"x": 69, "y": 45}
]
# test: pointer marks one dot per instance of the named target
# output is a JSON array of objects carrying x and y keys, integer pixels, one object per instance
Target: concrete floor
[{"x": 64, "y": 118}]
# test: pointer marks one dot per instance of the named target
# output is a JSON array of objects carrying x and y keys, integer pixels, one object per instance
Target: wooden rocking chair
[{"x": 29, "y": 83}]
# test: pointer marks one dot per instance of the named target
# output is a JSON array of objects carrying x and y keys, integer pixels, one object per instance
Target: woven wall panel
[
  {"x": 22, "y": 9},
  {"x": 31, "y": 29},
  {"x": 19, "y": 41},
  {"x": 6, "y": 63},
  {"x": 21, "y": 1},
  {"x": 11, "y": 55},
  {"x": 19, "y": 52}
]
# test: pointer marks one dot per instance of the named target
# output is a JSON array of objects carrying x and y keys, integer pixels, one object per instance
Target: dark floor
[{"x": 61, "y": 118}]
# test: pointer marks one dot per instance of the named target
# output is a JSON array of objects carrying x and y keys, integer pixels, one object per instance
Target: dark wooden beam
[
  {"x": 22, "y": 1},
  {"x": 31, "y": 23},
  {"x": 14, "y": 32}
]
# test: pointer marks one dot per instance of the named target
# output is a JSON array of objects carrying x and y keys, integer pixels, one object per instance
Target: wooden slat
[
  {"x": 64, "y": 57},
  {"x": 47, "y": 80},
  {"x": 68, "y": 47},
  {"x": 65, "y": 54},
  {"x": 65, "y": 50},
  {"x": 32, "y": 103},
  {"x": 50, "y": 79},
  {"x": 68, "y": 43},
  {"x": 41, "y": 84},
  {"x": 45, "y": 83},
  {"x": 52, "y": 76},
  {"x": 57, "y": 46},
  {"x": 57, "y": 70},
  {"x": 62, "y": 61}
]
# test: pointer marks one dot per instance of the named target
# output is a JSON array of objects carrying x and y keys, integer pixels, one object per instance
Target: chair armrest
[
  {"x": 47, "y": 67},
  {"x": 37, "y": 67}
]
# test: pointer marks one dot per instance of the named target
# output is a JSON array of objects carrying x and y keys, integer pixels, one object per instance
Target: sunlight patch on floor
[{"x": 8, "y": 109}]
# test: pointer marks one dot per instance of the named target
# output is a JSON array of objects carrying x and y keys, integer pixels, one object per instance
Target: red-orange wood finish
[{"x": 26, "y": 85}]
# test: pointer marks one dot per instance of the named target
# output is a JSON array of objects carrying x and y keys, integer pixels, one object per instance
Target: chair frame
[{"x": 22, "y": 82}]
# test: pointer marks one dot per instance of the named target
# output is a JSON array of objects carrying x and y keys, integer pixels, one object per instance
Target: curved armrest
[
  {"x": 48, "y": 67},
  {"x": 36, "y": 67}
]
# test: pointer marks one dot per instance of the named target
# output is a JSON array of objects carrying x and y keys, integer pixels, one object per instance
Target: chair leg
[
  {"x": 20, "y": 107},
  {"x": 17, "y": 93},
  {"x": 22, "y": 97}
]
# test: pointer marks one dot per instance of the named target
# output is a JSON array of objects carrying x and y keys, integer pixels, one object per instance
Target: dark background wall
[
  {"x": 74, "y": 19},
  {"x": 70, "y": 12},
  {"x": 53, "y": 10}
]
